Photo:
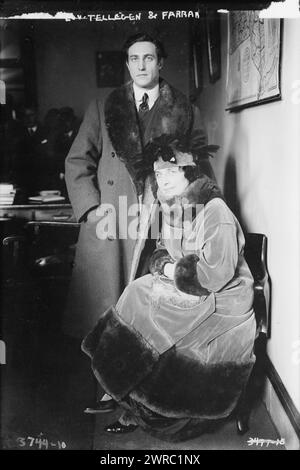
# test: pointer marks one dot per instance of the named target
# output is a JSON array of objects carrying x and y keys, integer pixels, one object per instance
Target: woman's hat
[
  {"x": 168, "y": 151},
  {"x": 178, "y": 159}
]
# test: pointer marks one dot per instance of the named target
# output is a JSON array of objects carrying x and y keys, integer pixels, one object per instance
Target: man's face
[
  {"x": 143, "y": 64},
  {"x": 30, "y": 117}
]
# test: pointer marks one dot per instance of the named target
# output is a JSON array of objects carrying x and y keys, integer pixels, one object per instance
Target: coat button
[
  {"x": 113, "y": 154},
  {"x": 110, "y": 182},
  {"x": 110, "y": 238}
]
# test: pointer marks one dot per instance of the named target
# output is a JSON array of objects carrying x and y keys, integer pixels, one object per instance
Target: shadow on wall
[
  {"x": 240, "y": 193},
  {"x": 231, "y": 195},
  {"x": 236, "y": 183},
  {"x": 230, "y": 191}
]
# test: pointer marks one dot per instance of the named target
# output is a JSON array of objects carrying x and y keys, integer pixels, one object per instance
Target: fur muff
[
  {"x": 159, "y": 258},
  {"x": 173, "y": 116},
  {"x": 185, "y": 276},
  {"x": 121, "y": 358}
]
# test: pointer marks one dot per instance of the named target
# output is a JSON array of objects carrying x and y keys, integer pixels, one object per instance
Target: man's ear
[{"x": 161, "y": 63}]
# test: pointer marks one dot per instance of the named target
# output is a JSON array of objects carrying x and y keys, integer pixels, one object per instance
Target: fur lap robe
[{"x": 169, "y": 384}]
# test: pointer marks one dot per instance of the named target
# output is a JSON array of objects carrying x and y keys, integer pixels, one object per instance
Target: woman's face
[{"x": 171, "y": 181}]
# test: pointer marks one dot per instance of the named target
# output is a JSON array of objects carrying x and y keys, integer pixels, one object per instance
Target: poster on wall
[{"x": 253, "y": 59}]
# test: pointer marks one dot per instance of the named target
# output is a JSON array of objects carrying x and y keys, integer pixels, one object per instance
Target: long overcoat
[{"x": 100, "y": 167}]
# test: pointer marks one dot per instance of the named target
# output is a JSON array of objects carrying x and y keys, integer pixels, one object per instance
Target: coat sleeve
[
  {"x": 82, "y": 163},
  {"x": 213, "y": 265}
]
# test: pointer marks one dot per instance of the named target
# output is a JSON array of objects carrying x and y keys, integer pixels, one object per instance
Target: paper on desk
[{"x": 46, "y": 198}]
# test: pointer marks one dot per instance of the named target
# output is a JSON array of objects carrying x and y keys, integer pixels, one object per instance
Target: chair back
[{"x": 255, "y": 252}]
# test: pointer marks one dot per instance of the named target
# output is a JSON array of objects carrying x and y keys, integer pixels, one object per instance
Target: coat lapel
[
  {"x": 173, "y": 115},
  {"x": 122, "y": 123}
]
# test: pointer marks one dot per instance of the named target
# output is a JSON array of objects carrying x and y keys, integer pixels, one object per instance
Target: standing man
[
  {"x": 29, "y": 158},
  {"x": 103, "y": 164}
]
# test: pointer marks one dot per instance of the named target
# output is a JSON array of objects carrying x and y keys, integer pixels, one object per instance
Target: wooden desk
[
  {"x": 39, "y": 212},
  {"x": 32, "y": 231}
]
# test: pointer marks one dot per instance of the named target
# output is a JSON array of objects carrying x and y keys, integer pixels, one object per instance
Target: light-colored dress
[
  {"x": 220, "y": 324},
  {"x": 182, "y": 349}
]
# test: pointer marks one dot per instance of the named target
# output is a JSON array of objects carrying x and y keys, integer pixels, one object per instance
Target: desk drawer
[
  {"x": 12, "y": 213},
  {"x": 63, "y": 215}
]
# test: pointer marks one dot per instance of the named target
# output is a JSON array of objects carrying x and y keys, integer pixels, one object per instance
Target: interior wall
[
  {"x": 66, "y": 57},
  {"x": 258, "y": 169}
]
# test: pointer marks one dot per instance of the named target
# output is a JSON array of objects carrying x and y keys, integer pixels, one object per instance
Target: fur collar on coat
[
  {"x": 173, "y": 116},
  {"x": 200, "y": 191}
]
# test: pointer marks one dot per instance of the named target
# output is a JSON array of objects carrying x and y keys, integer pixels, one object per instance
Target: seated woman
[{"x": 177, "y": 350}]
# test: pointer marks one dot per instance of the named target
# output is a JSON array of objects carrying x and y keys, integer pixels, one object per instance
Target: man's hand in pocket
[{"x": 94, "y": 215}]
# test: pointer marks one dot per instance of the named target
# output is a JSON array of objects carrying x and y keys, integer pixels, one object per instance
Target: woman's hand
[{"x": 169, "y": 270}]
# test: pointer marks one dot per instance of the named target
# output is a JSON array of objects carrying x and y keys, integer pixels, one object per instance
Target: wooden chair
[{"x": 256, "y": 256}]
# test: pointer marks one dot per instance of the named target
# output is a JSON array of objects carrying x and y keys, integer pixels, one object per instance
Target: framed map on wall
[{"x": 254, "y": 50}]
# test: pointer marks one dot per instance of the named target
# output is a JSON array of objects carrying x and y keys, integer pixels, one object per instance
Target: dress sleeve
[
  {"x": 82, "y": 163},
  {"x": 213, "y": 265}
]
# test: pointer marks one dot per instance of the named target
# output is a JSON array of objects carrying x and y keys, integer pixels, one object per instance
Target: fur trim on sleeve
[
  {"x": 186, "y": 278},
  {"x": 158, "y": 260}
]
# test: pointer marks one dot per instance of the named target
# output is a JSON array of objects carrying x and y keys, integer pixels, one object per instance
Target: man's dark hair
[{"x": 144, "y": 37}]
